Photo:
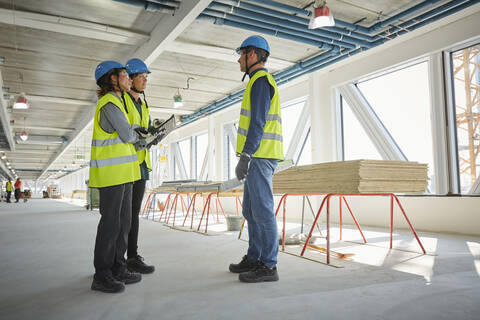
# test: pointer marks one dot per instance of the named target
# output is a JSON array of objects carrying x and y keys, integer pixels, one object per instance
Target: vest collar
[{"x": 255, "y": 71}]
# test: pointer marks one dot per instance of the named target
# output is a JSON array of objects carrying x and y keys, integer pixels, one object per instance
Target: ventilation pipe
[
  {"x": 154, "y": 6},
  {"x": 287, "y": 20}
]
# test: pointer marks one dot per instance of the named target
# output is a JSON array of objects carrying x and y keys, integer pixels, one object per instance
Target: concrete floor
[{"x": 46, "y": 253}]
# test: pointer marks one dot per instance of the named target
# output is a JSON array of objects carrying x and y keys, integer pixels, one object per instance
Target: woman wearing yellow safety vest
[
  {"x": 139, "y": 115},
  {"x": 113, "y": 169},
  {"x": 9, "y": 188},
  {"x": 260, "y": 146}
]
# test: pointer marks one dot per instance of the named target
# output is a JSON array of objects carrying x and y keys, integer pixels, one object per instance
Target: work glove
[
  {"x": 142, "y": 132},
  {"x": 159, "y": 138},
  {"x": 242, "y": 166}
]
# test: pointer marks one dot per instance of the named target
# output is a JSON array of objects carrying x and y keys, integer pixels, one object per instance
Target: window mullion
[
  {"x": 439, "y": 130},
  {"x": 451, "y": 124}
]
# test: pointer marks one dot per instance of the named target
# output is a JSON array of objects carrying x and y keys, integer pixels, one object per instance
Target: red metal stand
[{"x": 327, "y": 200}]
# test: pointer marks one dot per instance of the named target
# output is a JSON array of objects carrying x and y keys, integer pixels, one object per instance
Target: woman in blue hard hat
[
  {"x": 140, "y": 116},
  {"x": 260, "y": 146},
  {"x": 113, "y": 169}
]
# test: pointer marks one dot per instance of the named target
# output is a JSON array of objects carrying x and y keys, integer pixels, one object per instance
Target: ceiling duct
[
  {"x": 163, "y": 6},
  {"x": 38, "y": 139}
]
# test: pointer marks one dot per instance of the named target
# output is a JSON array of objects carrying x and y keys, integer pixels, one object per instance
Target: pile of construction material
[{"x": 358, "y": 176}]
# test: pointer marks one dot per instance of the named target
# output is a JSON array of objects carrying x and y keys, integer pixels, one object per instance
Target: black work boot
[
  {"x": 260, "y": 274},
  {"x": 136, "y": 264},
  {"x": 243, "y": 266},
  {"x": 107, "y": 284},
  {"x": 128, "y": 277}
]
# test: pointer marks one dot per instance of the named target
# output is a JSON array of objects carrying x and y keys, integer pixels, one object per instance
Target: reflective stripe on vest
[
  {"x": 141, "y": 120},
  {"x": 112, "y": 162},
  {"x": 271, "y": 144},
  {"x": 106, "y": 142}
]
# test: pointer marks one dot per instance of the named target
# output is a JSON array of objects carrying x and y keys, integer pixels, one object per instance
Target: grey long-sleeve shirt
[{"x": 112, "y": 119}]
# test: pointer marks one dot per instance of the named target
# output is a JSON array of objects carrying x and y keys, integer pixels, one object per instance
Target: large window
[
  {"x": 466, "y": 86},
  {"x": 395, "y": 110},
  {"x": 356, "y": 144}
]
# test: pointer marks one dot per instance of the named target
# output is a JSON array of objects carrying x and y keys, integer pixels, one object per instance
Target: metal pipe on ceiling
[
  {"x": 247, "y": 17},
  {"x": 281, "y": 18},
  {"x": 221, "y": 21},
  {"x": 427, "y": 17},
  {"x": 149, "y": 6},
  {"x": 411, "y": 11},
  {"x": 274, "y": 30},
  {"x": 358, "y": 31}
]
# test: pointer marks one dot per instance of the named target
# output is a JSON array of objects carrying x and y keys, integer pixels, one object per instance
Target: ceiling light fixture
[
  {"x": 177, "y": 100},
  {"x": 321, "y": 17},
  {"x": 24, "y": 135},
  {"x": 20, "y": 102}
]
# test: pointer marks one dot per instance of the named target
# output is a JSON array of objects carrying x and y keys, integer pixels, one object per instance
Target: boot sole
[
  {"x": 102, "y": 289},
  {"x": 262, "y": 279},
  {"x": 140, "y": 271}
]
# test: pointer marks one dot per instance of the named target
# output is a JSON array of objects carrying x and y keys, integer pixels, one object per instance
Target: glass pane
[
  {"x": 356, "y": 144},
  {"x": 290, "y": 116},
  {"x": 202, "y": 145},
  {"x": 401, "y": 100},
  {"x": 185, "y": 150},
  {"x": 306, "y": 153},
  {"x": 466, "y": 73}
]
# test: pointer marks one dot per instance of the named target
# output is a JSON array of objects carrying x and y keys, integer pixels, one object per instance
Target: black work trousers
[
  {"x": 9, "y": 195},
  {"x": 137, "y": 197},
  {"x": 113, "y": 229}
]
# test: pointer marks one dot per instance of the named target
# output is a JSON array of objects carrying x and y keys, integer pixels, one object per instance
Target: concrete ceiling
[{"x": 51, "y": 48}]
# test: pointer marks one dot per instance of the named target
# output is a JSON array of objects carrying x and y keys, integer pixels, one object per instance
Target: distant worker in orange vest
[
  {"x": 9, "y": 188},
  {"x": 18, "y": 186}
]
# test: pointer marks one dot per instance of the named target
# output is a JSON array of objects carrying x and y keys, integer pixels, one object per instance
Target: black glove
[
  {"x": 242, "y": 166},
  {"x": 142, "y": 132},
  {"x": 156, "y": 140}
]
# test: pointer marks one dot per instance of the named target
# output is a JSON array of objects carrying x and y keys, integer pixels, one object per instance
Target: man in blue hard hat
[
  {"x": 259, "y": 146},
  {"x": 139, "y": 115}
]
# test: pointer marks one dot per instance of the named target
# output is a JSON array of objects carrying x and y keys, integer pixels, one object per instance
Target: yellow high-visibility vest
[
  {"x": 271, "y": 145},
  {"x": 140, "y": 120},
  {"x": 112, "y": 162},
  {"x": 9, "y": 186}
]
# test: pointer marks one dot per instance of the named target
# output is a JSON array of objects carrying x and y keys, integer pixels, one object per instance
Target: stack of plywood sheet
[{"x": 358, "y": 176}]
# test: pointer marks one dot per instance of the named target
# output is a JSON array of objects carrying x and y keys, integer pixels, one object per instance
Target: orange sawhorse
[
  {"x": 283, "y": 200},
  {"x": 150, "y": 205},
  {"x": 218, "y": 195},
  {"x": 342, "y": 196},
  {"x": 174, "y": 205}
]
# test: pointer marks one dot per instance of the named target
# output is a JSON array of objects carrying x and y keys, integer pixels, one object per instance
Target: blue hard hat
[
  {"x": 254, "y": 41},
  {"x": 135, "y": 66},
  {"x": 105, "y": 66}
]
